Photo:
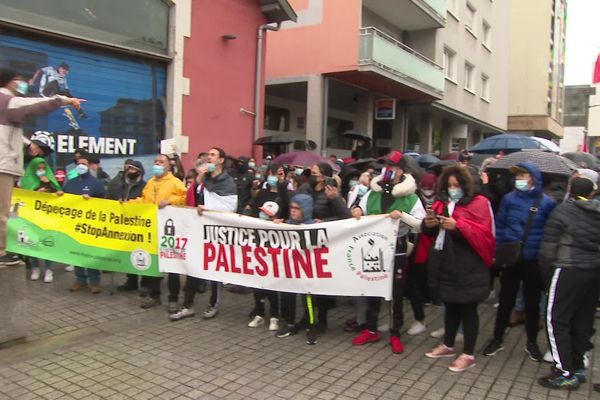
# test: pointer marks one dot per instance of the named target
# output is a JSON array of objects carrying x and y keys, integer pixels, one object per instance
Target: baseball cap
[{"x": 270, "y": 208}]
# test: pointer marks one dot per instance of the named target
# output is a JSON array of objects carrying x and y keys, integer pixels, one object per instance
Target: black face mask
[
  {"x": 133, "y": 175},
  {"x": 313, "y": 181}
]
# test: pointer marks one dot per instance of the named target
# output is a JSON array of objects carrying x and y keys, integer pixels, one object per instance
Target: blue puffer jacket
[{"x": 514, "y": 213}]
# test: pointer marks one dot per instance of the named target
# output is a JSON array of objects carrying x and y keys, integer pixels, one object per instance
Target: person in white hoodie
[{"x": 14, "y": 109}]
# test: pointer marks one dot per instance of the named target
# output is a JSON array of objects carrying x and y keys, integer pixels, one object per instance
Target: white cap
[{"x": 270, "y": 208}]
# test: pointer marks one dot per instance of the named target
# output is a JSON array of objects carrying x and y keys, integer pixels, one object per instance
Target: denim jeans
[
  {"x": 83, "y": 274},
  {"x": 39, "y": 263}
]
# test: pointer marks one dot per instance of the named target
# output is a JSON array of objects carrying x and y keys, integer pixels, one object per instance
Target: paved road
[{"x": 84, "y": 346}]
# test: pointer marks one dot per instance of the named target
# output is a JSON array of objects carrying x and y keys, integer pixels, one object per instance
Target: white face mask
[{"x": 428, "y": 192}]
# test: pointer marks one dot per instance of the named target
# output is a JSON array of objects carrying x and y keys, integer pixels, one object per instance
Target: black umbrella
[
  {"x": 425, "y": 160},
  {"x": 440, "y": 165},
  {"x": 361, "y": 163},
  {"x": 548, "y": 163},
  {"x": 507, "y": 142},
  {"x": 584, "y": 160},
  {"x": 356, "y": 135},
  {"x": 275, "y": 139}
]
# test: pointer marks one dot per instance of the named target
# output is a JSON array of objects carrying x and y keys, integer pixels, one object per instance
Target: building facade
[
  {"x": 393, "y": 71},
  {"x": 537, "y": 64},
  {"x": 149, "y": 70},
  {"x": 577, "y": 115}
]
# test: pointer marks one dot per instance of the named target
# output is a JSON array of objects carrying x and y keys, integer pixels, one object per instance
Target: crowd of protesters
[{"x": 453, "y": 222}]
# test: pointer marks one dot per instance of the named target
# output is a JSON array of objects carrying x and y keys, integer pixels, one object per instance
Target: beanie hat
[
  {"x": 395, "y": 158},
  {"x": 581, "y": 186}
]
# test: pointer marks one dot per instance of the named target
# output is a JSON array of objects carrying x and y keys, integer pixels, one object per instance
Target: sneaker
[
  {"x": 366, "y": 336},
  {"x": 416, "y": 328},
  {"x": 172, "y": 307},
  {"x": 210, "y": 312},
  {"x": 273, "y": 324},
  {"x": 534, "y": 351},
  {"x": 440, "y": 351},
  {"x": 438, "y": 333},
  {"x": 48, "y": 276},
  {"x": 257, "y": 321},
  {"x": 181, "y": 314},
  {"x": 493, "y": 347},
  {"x": 311, "y": 335},
  {"x": 9, "y": 259},
  {"x": 95, "y": 289},
  {"x": 150, "y": 302},
  {"x": 581, "y": 375},
  {"x": 35, "y": 274},
  {"x": 396, "y": 344},
  {"x": 285, "y": 331},
  {"x": 77, "y": 286},
  {"x": 554, "y": 381},
  {"x": 69, "y": 268},
  {"x": 548, "y": 357},
  {"x": 462, "y": 363}
]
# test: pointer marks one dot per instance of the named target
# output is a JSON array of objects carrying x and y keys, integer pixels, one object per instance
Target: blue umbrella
[{"x": 506, "y": 142}]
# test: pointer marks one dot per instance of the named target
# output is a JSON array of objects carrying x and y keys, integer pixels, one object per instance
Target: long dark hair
[{"x": 325, "y": 168}]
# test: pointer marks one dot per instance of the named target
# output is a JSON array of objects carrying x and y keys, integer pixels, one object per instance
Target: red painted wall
[{"x": 222, "y": 76}]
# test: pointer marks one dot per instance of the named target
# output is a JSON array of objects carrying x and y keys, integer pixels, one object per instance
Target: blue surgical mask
[
  {"x": 522, "y": 184},
  {"x": 211, "y": 167},
  {"x": 22, "y": 87},
  {"x": 455, "y": 194},
  {"x": 272, "y": 180},
  {"x": 40, "y": 173},
  {"x": 257, "y": 176},
  {"x": 158, "y": 170},
  {"x": 362, "y": 189},
  {"x": 263, "y": 216},
  {"x": 299, "y": 171},
  {"x": 353, "y": 183},
  {"x": 251, "y": 164},
  {"x": 81, "y": 169}
]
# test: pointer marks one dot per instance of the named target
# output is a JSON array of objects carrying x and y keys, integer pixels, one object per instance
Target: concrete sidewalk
[{"x": 84, "y": 346}]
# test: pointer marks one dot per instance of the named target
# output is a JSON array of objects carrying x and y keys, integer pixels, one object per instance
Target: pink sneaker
[
  {"x": 441, "y": 351},
  {"x": 462, "y": 363},
  {"x": 366, "y": 336},
  {"x": 396, "y": 344}
]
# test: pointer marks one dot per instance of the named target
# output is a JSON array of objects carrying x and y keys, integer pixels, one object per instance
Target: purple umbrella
[{"x": 303, "y": 159}]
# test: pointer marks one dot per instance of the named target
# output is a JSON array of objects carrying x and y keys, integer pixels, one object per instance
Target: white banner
[{"x": 347, "y": 258}]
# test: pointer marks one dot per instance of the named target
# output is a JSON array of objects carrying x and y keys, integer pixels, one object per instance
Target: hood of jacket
[
  {"x": 536, "y": 174},
  {"x": 405, "y": 187},
  {"x": 306, "y": 204}
]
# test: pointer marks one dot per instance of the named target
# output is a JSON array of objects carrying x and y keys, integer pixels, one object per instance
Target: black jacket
[
  {"x": 120, "y": 189},
  {"x": 572, "y": 237},
  {"x": 326, "y": 209}
]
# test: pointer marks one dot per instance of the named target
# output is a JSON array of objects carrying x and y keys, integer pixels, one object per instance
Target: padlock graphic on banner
[{"x": 169, "y": 228}]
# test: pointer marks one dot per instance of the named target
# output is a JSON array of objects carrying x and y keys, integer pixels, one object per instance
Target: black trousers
[
  {"x": 288, "y": 306},
  {"x": 529, "y": 273},
  {"x": 396, "y": 313},
  {"x": 416, "y": 280},
  {"x": 572, "y": 299},
  {"x": 191, "y": 288},
  {"x": 467, "y": 314},
  {"x": 260, "y": 297},
  {"x": 132, "y": 279},
  {"x": 173, "y": 283}
]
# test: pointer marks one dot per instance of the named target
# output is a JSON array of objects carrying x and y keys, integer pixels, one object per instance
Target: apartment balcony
[
  {"x": 410, "y": 15},
  {"x": 382, "y": 55}
]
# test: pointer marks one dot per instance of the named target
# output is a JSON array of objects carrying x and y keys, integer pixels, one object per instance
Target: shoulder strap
[{"x": 532, "y": 212}]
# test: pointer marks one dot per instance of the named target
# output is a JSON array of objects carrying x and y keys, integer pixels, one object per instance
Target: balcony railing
[
  {"x": 378, "y": 49},
  {"x": 437, "y": 6}
]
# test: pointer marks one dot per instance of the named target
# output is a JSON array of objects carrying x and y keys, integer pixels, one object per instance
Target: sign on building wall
[
  {"x": 385, "y": 109},
  {"x": 123, "y": 115}
]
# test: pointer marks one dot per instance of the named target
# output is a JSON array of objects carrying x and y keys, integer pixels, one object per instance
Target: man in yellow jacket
[{"x": 162, "y": 189}]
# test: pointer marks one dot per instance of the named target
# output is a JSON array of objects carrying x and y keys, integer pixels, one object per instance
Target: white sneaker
[
  {"x": 35, "y": 274},
  {"x": 416, "y": 328},
  {"x": 438, "y": 333},
  {"x": 548, "y": 357},
  {"x": 69, "y": 268},
  {"x": 258, "y": 320},
  {"x": 274, "y": 324},
  {"x": 48, "y": 276},
  {"x": 210, "y": 312},
  {"x": 181, "y": 314}
]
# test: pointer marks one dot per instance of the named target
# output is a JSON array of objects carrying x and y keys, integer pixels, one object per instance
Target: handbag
[{"x": 508, "y": 254}]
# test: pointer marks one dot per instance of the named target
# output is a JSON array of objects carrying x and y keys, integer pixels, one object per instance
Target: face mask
[
  {"x": 427, "y": 192},
  {"x": 211, "y": 167},
  {"x": 455, "y": 194},
  {"x": 362, "y": 189},
  {"x": 299, "y": 171},
  {"x": 40, "y": 173},
  {"x": 388, "y": 175},
  {"x": 158, "y": 170},
  {"x": 272, "y": 180},
  {"x": 257, "y": 176},
  {"x": 133, "y": 175},
  {"x": 352, "y": 183},
  {"x": 251, "y": 164},
  {"x": 81, "y": 169},
  {"x": 263, "y": 216},
  {"x": 522, "y": 184},
  {"x": 313, "y": 181},
  {"x": 22, "y": 87}
]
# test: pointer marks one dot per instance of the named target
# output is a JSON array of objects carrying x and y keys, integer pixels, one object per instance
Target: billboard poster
[
  {"x": 123, "y": 116},
  {"x": 385, "y": 109}
]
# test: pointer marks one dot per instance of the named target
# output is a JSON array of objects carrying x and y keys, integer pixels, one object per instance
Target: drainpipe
[{"x": 259, "y": 66}]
